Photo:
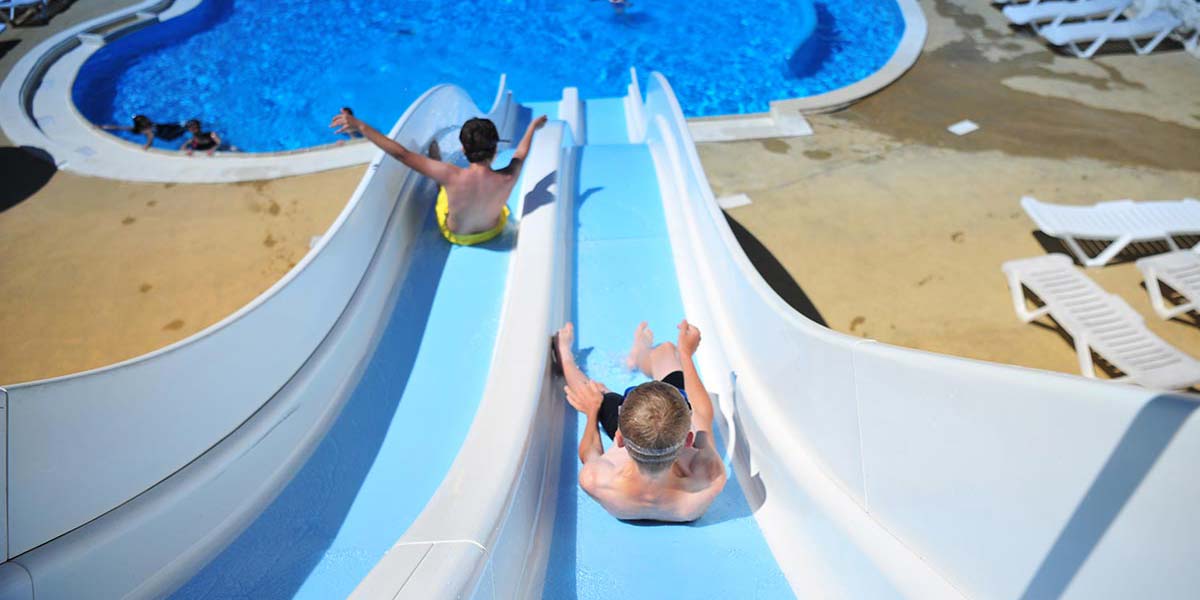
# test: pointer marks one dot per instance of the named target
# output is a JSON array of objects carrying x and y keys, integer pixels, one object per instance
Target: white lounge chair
[
  {"x": 1180, "y": 271},
  {"x": 1059, "y": 11},
  {"x": 13, "y": 5},
  {"x": 1156, "y": 25},
  {"x": 1098, "y": 322},
  {"x": 1120, "y": 223}
]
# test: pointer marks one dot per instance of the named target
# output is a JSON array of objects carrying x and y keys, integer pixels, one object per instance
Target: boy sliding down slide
[
  {"x": 663, "y": 465},
  {"x": 472, "y": 202}
]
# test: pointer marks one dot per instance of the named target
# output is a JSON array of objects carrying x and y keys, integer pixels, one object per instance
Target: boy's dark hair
[
  {"x": 479, "y": 138},
  {"x": 190, "y": 123},
  {"x": 141, "y": 123}
]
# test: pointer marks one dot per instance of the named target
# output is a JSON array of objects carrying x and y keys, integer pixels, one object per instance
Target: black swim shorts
[{"x": 610, "y": 408}]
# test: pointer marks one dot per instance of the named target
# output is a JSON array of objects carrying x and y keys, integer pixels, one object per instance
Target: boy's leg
[
  {"x": 655, "y": 361},
  {"x": 576, "y": 380}
]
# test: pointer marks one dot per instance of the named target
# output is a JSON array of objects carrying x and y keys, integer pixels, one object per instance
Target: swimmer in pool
[
  {"x": 143, "y": 125},
  {"x": 204, "y": 141},
  {"x": 662, "y": 465},
  {"x": 472, "y": 203}
]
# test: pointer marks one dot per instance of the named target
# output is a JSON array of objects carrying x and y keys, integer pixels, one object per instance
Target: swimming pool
[{"x": 269, "y": 76}]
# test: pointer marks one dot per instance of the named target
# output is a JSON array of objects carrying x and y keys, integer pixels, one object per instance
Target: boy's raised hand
[
  {"x": 588, "y": 399},
  {"x": 689, "y": 338}
]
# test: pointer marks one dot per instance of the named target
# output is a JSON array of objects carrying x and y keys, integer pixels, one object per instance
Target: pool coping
[
  {"x": 37, "y": 110},
  {"x": 785, "y": 118}
]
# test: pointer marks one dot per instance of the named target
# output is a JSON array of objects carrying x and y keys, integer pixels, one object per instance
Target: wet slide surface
[
  {"x": 395, "y": 439},
  {"x": 624, "y": 273}
]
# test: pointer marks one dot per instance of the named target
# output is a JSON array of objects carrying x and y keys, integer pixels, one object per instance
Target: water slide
[{"x": 383, "y": 423}]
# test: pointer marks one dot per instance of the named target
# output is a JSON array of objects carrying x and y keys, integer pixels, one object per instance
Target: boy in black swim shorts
[{"x": 662, "y": 464}]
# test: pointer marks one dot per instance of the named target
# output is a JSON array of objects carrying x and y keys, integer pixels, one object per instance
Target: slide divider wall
[
  {"x": 486, "y": 531},
  {"x": 939, "y": 476},
  {"x": 123, "y": 481}
]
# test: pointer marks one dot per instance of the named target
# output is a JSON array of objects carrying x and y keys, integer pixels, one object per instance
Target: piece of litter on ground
[
  {"x": 733, "y": 201},
  {"x": 963, "y": 127}
]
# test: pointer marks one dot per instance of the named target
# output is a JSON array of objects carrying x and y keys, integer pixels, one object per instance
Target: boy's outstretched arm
[
  {"x": 439, "y": 171},
  {"x": 702, "y": 408},
  {"x": 587, "y": 400},
  {"x": 518, "y": 159}
]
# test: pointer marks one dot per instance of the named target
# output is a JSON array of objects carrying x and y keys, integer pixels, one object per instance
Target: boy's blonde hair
[{"x": 654, "y": 420}]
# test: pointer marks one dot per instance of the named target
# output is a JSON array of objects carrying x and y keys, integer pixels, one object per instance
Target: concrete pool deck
[{"x": 893, "y": 228}]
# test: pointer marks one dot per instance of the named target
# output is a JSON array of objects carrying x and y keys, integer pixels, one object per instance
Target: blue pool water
[{"x": 269, "y": 75}]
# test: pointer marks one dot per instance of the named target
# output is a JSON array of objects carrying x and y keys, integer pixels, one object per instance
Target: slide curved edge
[
  {"x": 488, "y": 526},
  {"x": 189, "y": 512},
  {"x": 938, "y": 476}
]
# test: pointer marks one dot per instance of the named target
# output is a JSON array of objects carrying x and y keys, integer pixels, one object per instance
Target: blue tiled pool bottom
[
  {"x": 392, "y": 445},
  {"x": 268, "y": 76},
  {"x": 625, "y": 274}
]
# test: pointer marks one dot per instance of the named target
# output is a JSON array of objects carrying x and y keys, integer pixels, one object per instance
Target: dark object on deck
[
  {"x": 774, "y": 273},
  {"x": 23, "y": 171}
]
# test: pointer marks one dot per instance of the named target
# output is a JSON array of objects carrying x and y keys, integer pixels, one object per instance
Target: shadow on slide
[{"x": 275, "y": 555}]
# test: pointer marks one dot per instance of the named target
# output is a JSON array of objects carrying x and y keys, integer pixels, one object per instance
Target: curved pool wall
[
  {"x": 211, "y": 428},
  {"x": 36, "y": 109},
  {"x": 266, "y": 79},
  {"x": 36, "y": 100}
]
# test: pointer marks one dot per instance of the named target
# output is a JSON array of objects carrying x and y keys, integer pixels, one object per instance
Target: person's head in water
[
  {"x": 142, "y": 123},
  {"x": 192, "y": 125},
  {"x": 479, "y": 138},
  {"x": 654, "y": 425}
]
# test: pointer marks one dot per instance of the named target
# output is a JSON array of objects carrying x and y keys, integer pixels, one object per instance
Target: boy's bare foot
[{"x": 643, "y": 341}]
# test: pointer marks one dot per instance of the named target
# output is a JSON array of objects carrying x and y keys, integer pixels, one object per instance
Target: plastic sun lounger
[
  {"x": 1180, "y": 271},
  {"x": 13, "y": 5},
  {"x": 1098, "y": 322},
  {"x": 1058, "y": 11},
  {"x": 1120, "y": 223},
  {"x": 1156, "y": 26}
]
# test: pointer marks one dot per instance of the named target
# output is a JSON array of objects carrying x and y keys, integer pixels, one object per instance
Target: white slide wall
[
  {"x": 946, "y": 477},
  {"x": 125, "y": 479},
  {"x": 486, "y": 531}
]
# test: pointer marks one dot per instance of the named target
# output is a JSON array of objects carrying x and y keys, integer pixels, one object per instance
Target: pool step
[{"x": 777, "y": 123}]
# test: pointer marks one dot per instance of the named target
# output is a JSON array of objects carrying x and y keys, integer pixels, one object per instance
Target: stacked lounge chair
[
  {"x": 1180, "y": 271},
  {"x": 1084, "y": 26},
  {"x": 1055, "y": 13},
  {"x": 1098, "y": 322},
  {"x": 1156, "y": 26},
  {"x": 1119, "y": 223},
  {"x": 12, "y": 5}
]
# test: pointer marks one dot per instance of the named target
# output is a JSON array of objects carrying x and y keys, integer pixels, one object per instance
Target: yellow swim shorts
[{"x": 465, "y": 239}]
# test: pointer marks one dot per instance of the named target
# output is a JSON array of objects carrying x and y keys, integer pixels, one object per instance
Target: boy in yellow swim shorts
[{"x": 472, "y": 202}]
